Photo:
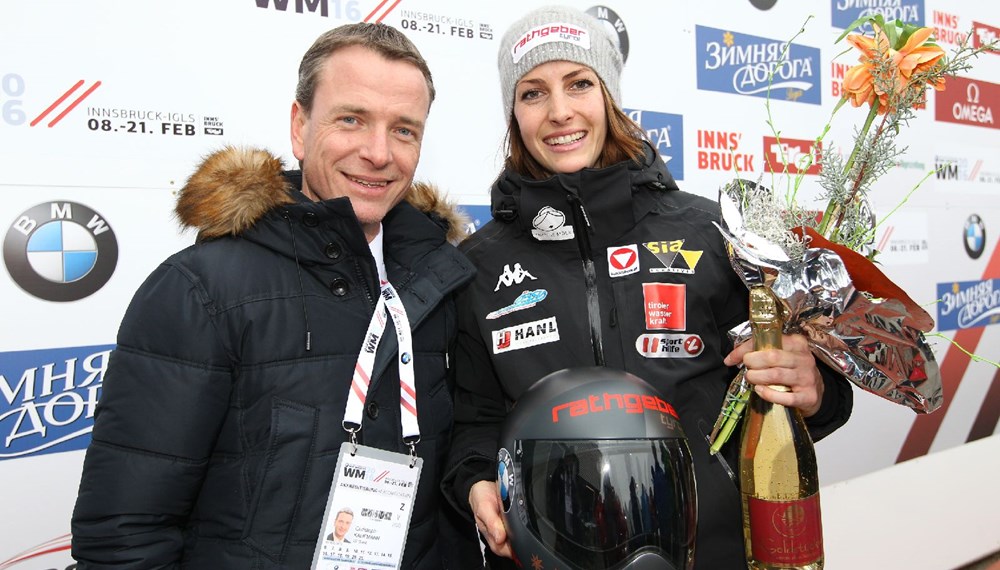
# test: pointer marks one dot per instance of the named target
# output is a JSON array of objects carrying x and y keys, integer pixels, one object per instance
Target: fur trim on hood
[{"x": 234, "y": 187}]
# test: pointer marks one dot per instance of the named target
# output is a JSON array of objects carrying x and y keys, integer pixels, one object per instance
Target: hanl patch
[{"x": 525, "y": 335}]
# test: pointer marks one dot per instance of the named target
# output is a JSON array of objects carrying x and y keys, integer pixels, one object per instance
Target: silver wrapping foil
[{"x": 878, "y": 345}]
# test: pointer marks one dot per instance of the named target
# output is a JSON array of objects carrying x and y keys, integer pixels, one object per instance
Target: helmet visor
[{"x": 596, "y": 503}]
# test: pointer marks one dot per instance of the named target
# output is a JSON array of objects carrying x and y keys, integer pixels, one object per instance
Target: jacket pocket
[{"x": 274, "y": 504}]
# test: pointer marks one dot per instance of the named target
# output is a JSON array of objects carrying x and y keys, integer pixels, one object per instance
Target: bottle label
[{"x": 788, "y": 533}]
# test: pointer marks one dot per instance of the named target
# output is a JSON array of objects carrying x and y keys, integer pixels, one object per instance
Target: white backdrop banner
[{"x": 106, "y": 107}]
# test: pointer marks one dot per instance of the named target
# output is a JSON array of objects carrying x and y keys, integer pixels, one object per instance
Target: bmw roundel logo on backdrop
[
  {"x": 615, "y": 25},
  {"x": 60, "y": 251},
  {"x": 975, "y": 236}
]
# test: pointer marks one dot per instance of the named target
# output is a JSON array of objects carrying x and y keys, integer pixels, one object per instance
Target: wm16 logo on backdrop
[
  {"x": 968, "y": 304},
  {"x": 47, "y": 399},
  {"x": 666, "y": 132},
  {"x": 844, "y": 12},
  {"x": 60, "y": 251},
  {"x": 738, "y": 63}
]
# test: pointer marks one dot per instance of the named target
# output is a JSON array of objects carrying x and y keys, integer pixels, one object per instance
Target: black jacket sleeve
[
  {"x": 837, "y": 405},
  {"x": 480, "y": 409},
  {"x": 165, "y": 394}
]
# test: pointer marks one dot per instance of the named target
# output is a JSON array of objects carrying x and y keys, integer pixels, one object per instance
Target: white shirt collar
[{"x": 376, "y": 246}]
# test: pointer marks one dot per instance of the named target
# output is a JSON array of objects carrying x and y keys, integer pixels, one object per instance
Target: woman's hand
[
  {"x": 485, "y": 502},
  {"x": 793, "y": 366}
]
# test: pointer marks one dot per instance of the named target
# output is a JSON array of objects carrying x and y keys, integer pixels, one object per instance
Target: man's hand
[
  {"x": 793, "y": 366},
  {"x": 485, "y": 502}
]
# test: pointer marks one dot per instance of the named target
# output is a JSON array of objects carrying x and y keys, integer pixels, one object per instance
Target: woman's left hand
[{"x": 793, "y": 366}]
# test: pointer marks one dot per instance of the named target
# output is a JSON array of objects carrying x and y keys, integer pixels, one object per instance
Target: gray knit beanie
[{"x": 554, "y": 33}]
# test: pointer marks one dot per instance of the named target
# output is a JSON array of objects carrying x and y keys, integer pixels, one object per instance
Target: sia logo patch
[
  {"x": 669, "y": 345},
  {"x": 623, "y": 260},
  {"x": 673, "y": 257},
  {"x": 665, "y": 305},
  {"x": 60, "y": 251},
  {"x": 525, "y": 335}
]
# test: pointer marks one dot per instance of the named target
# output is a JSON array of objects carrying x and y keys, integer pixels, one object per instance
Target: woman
[{"x": 594, "y": 256}]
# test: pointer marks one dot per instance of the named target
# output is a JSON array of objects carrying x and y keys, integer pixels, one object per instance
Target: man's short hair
[
  {"x": 385, "y": 40},
  {"x": 345, "y": 510}
]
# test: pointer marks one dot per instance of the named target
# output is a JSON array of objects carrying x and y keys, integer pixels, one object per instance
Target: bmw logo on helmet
[{"x": 60, "y": 251}]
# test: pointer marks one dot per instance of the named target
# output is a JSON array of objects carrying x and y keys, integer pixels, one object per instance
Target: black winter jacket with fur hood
[{"x": 218, "y": 431}]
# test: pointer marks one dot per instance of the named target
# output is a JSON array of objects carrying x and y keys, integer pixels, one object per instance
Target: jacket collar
[{"x": 614, "y": 198}]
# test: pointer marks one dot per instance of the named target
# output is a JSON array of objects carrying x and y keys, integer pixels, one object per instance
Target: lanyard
[{"x": 389, "y": 302}]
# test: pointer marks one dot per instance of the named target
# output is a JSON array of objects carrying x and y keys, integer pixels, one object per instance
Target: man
[
  {"x": 217, "y": 434},
  {"x": 341, "y": 525}
]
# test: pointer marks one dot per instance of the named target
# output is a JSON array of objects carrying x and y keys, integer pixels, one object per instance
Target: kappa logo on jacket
[
  {"x": 550, "y": 225},
  {"x": 509, "y": 277},
  {"x": 667, "y": 254},
  {"x": 525, "y": 335}
]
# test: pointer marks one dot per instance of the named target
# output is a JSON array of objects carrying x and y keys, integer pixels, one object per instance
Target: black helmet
[{"x": 595, "y": 472}]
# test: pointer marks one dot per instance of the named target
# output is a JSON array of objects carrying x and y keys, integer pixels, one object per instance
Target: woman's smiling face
[{"x": 560, "y": 112}]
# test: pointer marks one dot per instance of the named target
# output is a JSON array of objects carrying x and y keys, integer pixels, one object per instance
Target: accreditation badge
[{"x": 368, "y": 513}]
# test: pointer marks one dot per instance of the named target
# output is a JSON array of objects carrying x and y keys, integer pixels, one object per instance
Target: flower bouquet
[{"x": 820, "y": 267}]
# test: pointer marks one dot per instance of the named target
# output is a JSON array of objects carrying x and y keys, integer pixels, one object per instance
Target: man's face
[
  {"x": 362, "y": 138},
  {"x": 342, "y": 525}
]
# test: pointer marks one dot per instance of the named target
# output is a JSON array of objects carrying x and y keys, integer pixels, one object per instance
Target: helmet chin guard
[{"x": 594, "y": 472}]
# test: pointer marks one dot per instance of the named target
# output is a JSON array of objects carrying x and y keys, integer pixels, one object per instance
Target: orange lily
[{"x": 860, "y": 83}]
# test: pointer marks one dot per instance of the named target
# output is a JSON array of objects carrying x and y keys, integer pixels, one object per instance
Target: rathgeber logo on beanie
[
  {"x": 544, "y": 34},
  {"x": 557, "y": 33}
]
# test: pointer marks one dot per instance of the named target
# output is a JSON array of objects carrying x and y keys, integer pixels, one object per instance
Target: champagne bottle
[{"x": 778, "y": 474}]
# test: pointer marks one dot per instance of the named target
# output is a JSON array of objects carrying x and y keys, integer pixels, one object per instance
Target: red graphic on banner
[
  {"x": 948, "y": 28},
  {"x": 665, "y": 305},
  {"x": 983, "y": 34},
  {"x": 60, "y": 100},
  {"x": 368, "y": 18},
  {"x": 793, "y": 153},
  {"x": 953, "y": 367},
  {"x": 968, "y": 102},
  {"x": 58, "y": 544},
  {"x": 717, "y": 150}
]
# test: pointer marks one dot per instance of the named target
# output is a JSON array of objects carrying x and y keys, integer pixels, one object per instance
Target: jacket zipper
[{"x": 581, "y": 221}]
